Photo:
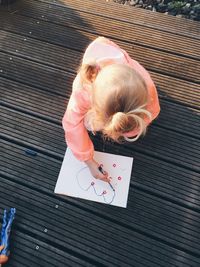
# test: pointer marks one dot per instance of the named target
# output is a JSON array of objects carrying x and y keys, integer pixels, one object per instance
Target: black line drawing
[{"x": 92, "y": 184}]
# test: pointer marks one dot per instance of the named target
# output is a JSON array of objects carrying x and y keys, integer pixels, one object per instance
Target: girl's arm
[{"x": 76, "y": 134}]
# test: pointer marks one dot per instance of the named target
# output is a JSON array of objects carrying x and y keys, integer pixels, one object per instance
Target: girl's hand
[{"x": 94, "y": 169}]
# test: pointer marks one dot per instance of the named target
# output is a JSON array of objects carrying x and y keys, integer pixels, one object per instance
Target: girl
[{"x": 112, "y": 93}]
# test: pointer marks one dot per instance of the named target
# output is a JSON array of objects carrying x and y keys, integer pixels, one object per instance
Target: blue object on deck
[
  {"x": 31, "y": 152},
  {"x": 5, "y": 233}
]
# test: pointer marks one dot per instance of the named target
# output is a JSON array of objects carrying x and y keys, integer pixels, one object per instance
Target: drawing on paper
[
  {"x": 101, "y": 189},
  {"x": 76, "y": 180}
]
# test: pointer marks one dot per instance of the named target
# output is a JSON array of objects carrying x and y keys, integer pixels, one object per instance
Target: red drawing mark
[
  {"x": 92, "y": 183},
  {"x": 114, "y": 165},
  {"x": 104, "y": 192},
  {"x": 119, "y": 178}
]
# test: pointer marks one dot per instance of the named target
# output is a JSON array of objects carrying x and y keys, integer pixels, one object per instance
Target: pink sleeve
[{"x": 76, "y": 134}]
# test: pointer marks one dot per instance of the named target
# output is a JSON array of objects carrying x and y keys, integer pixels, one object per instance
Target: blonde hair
[
  {"x": 119, "y": 98},
  {"x": 88, "y": 71}
]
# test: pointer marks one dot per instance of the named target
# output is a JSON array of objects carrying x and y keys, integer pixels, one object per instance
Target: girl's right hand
[{"x": 94, "y": 169}]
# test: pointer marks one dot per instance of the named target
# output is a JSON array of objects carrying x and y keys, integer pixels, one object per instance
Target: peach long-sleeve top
[{"x": 76, "y": 134}]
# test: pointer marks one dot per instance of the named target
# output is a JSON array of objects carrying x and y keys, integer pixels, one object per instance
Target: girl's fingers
[
  {"x": 105, "y": 174},
  {"x": 103, "y": 177}
]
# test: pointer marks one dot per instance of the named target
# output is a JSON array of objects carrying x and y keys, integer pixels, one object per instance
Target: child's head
[{"x": 119, "y": 97}]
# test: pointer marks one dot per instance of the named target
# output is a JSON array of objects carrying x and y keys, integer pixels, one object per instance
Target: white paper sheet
[{"x": 75, "y": 179}]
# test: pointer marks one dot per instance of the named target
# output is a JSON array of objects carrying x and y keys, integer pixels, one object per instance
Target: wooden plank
[
  {"x": 90, "y": 22},
  {"x": 39, "y": 51},
  {"x": 185, "y": 150},
  {"x": 42, "y": 135},
  {"x": 179, "y": 118},
  {"x": 27, "y": 250},
  {"x": 45, "y": 209},
  {"x": 169, "y": 146},
  {"x": 70, "y": 231},
  {"x": 35, "y": 216},
  {"x": 174, "y": 65},
  {"x": 160, "y": 178},
  {"x": 177, "y": 90},
  {"x": 139, "y": 16},
  {"x": 33, "y": 101},
  {"x": 28, "y": 130},
  {"x": 187, "y": 92},
  {"x": 33, "y": 74}
]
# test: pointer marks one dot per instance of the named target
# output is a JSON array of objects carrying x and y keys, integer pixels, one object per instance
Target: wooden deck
[{"x": 41, "y": 44}]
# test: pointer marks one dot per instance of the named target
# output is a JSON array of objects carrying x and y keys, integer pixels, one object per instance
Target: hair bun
[
  {"x": 117, "y": 117},
  {"x": 119, "y": 120}
]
